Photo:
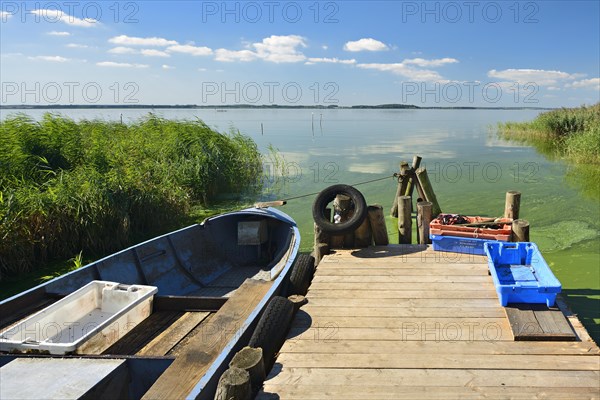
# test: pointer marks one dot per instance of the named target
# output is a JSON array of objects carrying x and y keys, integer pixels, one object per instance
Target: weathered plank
[
  {"x": 398, "y": 286},
  {"x": 399, "y": 312},
  {"x": 187, "y": 369},
  {"x": 402, "y": 294},
  {"x": 433, "y": 348},
  {"x": 451, "y": 323},
  {"x": 396, "y": 392},
  {"x": 164, "y": 342},
  {"x": 143, "y": 333},
  {"x": 330, "y": 332},
  {"x": 408, "y": 303},
  {"x": 356, "y": 377},
  {"x": 321, "y": 279},
  {"x": 384, "y": 271},
  {"x": 537, "y": 322},
  {"x": 442, "y": 361}
]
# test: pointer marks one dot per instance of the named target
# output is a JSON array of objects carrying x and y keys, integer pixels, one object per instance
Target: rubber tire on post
[
  {"x": 326, "y": 196},
  {"x": 272, "y": 329},
  {"x": 301, "y": 275}
]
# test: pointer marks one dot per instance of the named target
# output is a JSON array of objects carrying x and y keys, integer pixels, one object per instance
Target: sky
[{"x": 331, "y": 53}]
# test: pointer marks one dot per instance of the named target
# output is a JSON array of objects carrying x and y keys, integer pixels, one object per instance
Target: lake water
[{"x": 470, "y": 168}]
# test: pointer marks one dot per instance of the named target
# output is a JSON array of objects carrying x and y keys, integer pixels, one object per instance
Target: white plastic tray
[{"x": 87, "y": 321}]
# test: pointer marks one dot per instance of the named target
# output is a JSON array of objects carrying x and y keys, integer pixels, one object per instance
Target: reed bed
[
  {"x": 570, "y": 133},
  {"x": 96, "y": 186}
]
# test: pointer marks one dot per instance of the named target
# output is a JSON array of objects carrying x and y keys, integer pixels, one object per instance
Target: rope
[{"x": 354, "y": 184}]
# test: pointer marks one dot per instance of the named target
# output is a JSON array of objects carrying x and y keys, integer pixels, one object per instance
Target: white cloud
[
  {"x": 405, "y": 71},
  {"x": 593, "y": 83},
  {"x": 165, "y": 66},
  {"x": 365, "y": 44},
  {"x": 138, "y": 41},
  {"x": 5, "y": 15},
  {"x": 325, "y": 47},
  {"x": 312, "y": 61},
  {"x": 277, "y": 49},
  {"x": 122, "y": 50},
  {"x": 202, "y": 69},
  {"x": 225, "y": 55},
  {"x": 190, "y": 49},
  {"x": 49, "y": 58},
  {"x": 421, "y": 62},
  {"x": 553, "y": 88},
  {"x": 539, "y": 77},
  {"x": 53, "y": 16},
  {"x": 281, "y": 49},
  {"x": 57, "y": 33},
  {"x": 112, "y": 64},
  {"x": 154, "y": 53},
  {"x": 77, "y": 46}
]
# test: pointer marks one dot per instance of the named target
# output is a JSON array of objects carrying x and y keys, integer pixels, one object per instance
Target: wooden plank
[
  {"x": 384, "y": 271},
  {"x": 200, "y": 351},
  {"x": 343, "y": 392},
  {"x": 433, "y": 348},
  {"x": 402, "y": 294},
  {"x": 330, "y": 332},
  {"x": 188, "y": 303},
  {"x": 408, "y": 303},
  {"x": 398, "y": 264},
  {"x": 537, "y": 322},
  {"x": 164, "y": 342},
  {"x": 393, "y": 312},
  {"x": 356, "y": 378},
  {"x": 442, "y": 361},
  {"x": 143, "y": 333},
  {"x": 322, "y": 279},
  {"x": 420, "y": 286},
  {"x": 450, "y": 324}
]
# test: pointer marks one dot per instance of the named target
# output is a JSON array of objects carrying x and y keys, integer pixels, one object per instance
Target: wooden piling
[
  {"x": 378, "y": 227},
  {"x": 320, "y": 236},
  {"x": 423, "y": 220},
  {"x": 428, "y": 191},
  {"x": 512, "y": 205},
  {"x": 404, "y": 220},
  {"x": 250, "y": 359},
  {"x": 362, "y": 235},
  {"x": 298, "y": 301},
  {"x": 234, "y": 384},
  {"x": 402, "y": 185},
  {"x": 520, "y": 230},
  {"x": 416, "y": 163}
]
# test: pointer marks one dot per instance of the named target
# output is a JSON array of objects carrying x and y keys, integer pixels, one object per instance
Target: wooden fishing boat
[{"x": 161, "y": 319}]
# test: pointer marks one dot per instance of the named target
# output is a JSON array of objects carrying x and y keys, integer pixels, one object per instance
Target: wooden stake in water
[
  {"x": 312, "y": 122},
  {"x": 262, "y": 129}
]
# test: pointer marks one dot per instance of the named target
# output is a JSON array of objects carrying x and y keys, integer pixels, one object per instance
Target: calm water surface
[{"x": 470, "y": 168}]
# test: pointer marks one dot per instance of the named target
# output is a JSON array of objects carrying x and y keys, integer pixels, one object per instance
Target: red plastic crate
[{"x": 437, "y": 228}]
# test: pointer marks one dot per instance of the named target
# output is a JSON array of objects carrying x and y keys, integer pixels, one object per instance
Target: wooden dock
[{"x": 405, "y": 322}]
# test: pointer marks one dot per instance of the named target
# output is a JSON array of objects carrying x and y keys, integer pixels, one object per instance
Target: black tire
[
  {"x": 301, "y": 275},
  {"x": 327, "y": 196},
  {"x": 272, "y": 329}
]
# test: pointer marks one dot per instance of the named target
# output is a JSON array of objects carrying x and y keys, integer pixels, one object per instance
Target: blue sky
[{"x": 480, "y": 53}]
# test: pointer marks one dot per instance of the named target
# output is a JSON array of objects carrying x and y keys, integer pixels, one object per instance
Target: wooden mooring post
[
  {"x": 428, "y": 192},
  {"x": 423, "y": 219},
  {"x": 378, "y": 227},
  {"x": 520, "y": 230},
  {"x": 512, "y": 206},
  {"x": 402, "y": 185},
  {"x": 404, "y": 220}
]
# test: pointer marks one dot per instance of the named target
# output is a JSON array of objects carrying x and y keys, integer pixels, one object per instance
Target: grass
[
  {"x": 569, "y": 133},
  {"x": 95, "y": 187}
]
